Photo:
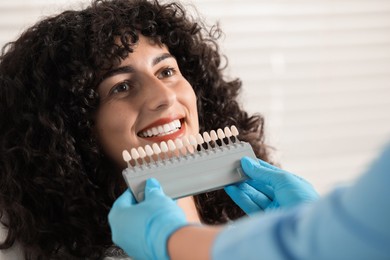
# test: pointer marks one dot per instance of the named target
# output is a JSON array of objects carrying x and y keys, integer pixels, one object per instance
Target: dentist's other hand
[
  {"x": 269, "y": 187},
  {"x": 142, "y": 229}
]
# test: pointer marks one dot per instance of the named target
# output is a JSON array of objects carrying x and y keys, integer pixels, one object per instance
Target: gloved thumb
[
  {"x": 124, "y": 200},
  {"x": 153, "y": 189}
]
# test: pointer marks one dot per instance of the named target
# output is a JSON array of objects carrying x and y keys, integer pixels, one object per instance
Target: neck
[{"x": 188, "y": 206}]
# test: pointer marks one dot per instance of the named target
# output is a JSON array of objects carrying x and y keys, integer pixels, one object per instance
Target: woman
[{"x": 78, "y": 88}]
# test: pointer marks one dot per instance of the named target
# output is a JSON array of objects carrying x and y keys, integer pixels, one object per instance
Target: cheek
[
  {"x": 187, "y": 93},
  {"x": 110, "y": 119},
  {"x": 194, "y": 104},
  {"x": 113, "y": 129},
  {"x": 190, "y": 99}
]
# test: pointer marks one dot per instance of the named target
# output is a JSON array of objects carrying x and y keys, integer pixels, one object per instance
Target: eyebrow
[
  {"x": 161, "y": 58},
  {"x": 130, "y": 69}
]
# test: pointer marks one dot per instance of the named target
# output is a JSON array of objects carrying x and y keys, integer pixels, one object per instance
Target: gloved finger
[
  {"x": 260, "y": 186},
  {"x": 153, "y": 188},
  {"x": 253, "y": 168},
  {"x": 260, "y": 173},
  {"x": 257, "y": 196},
  {"x": 247, "y": 198},
  {"x": 242, "y": 200},
  {"x": 125, "y": 200}
]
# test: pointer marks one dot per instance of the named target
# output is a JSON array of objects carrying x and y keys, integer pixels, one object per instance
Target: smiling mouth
[{"x": 161, "y": 130}]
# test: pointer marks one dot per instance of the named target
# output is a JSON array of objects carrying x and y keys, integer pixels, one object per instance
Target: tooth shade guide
[
  {"x": 145, "y": 157},
  {"x": 141, "y": 152},
  {"x": 206, "y": 137},
  {"x": 235, "y": 133},
  {"x": 199, "y": 139},
  {"x": 220, "y": 133},
  {"x": 126, "y": 157},
  {"x": 200, "y": 142},
  {"x": 156, "y": 150},
  {"x": 150, "y": 154},
  {"x": 188, "y": 145},
  {"x": 207, "y": 140},
  {"x": 180, "y": 147},
  {"x": 193, "y": 142},
  {"x": 148, "y": 150},
  {"x": 164, "y": 147},
  {"x": 164, "y": 150},
  {"x": 171, "y": 145},
  {"x": 191, "y": 174},
  {"x": 228, "y": 134},
  {"x": 172, "y": 149},
  {"x": 213, "y": 135},
  {"x": 218, "y": 137},
  {"x": 135, "y": 155},
  {"x": 222, "y": 139}
]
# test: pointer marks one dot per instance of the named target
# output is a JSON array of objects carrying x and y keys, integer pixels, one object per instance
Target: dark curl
[{"x": 56, "y": 185}]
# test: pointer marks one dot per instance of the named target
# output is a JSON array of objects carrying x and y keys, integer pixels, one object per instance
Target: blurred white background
[{"x": 318, "y": 70}]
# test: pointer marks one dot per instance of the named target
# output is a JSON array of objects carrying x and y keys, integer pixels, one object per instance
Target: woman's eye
[
  {"x": 121, "y": 87},
  {"x": 166, "y": 73}
]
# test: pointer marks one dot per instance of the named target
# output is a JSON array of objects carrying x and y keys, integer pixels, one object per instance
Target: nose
[{"x": 160, "y": 95}]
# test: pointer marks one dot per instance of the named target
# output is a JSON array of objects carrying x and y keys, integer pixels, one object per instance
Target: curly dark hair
[{"x": 56, "y": 186}]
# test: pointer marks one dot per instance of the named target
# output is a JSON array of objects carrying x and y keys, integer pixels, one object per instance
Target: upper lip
[{"x": 160, "y": 122}]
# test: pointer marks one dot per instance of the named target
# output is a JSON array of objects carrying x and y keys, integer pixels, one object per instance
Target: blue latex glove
[
  {"x": 143, "y": 229},
  {"x": 269, "y": 187}
]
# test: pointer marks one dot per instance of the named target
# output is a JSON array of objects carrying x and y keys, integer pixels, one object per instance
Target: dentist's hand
[
  {"x": 143, "y": 229},
  {"x": 269, "y": 187}
]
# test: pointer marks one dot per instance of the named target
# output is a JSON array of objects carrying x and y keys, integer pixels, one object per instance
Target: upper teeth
[{"x": 161, "y": 130}]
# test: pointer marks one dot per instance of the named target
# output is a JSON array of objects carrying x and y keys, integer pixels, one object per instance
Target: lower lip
[{"x": 173, "y": 136}]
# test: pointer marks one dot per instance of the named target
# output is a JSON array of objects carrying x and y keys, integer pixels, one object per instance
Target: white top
[{"x": 15, "y": 252}]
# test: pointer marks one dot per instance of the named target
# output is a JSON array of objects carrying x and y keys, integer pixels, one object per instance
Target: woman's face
[{"x": 144, "y": 100}]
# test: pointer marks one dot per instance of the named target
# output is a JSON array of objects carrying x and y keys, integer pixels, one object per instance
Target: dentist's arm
[{"x": 349, "y": 223}]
